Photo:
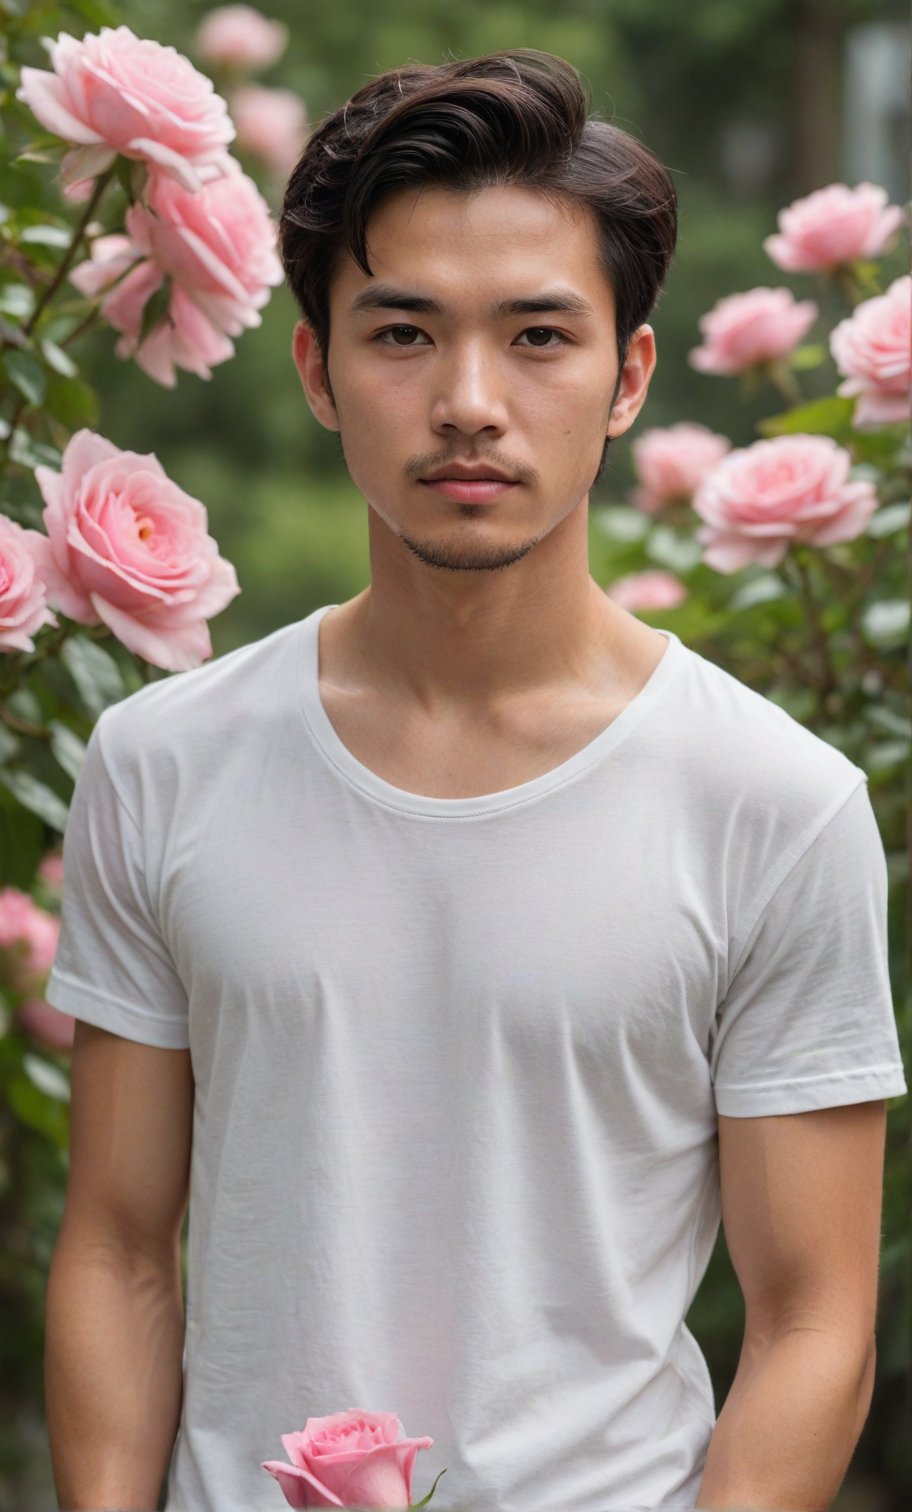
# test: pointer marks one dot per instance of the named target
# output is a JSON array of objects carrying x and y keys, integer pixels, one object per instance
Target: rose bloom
[
  {"x": 126, "y": 547},
  {"x": 873, "y": 351},
  {"x": 761, "y": 498},
  {"x": 351, "y": 1459},
  {"x": 271, "y": 124},
  {"x": 671, "y": 461},
  {"x": 28, "y": 940},
  {"x": 762, "y": 325},
  {"x": 116, "y": 93},
  {"x": 832, "y": 226},
  {"x": 647, "y": 590},
  {"x": 50, "y": 871},
  {"x": 51, "y": 1028},
  {"x": 218, "y": 247},
  {"x": 23, "y": 593},
  {"x": 237, "y": 36}
]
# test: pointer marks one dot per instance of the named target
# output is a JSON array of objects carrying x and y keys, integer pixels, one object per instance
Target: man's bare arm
[
  {"x": 115, "y": 1318},
  {"x": 801, "y": 1209}
]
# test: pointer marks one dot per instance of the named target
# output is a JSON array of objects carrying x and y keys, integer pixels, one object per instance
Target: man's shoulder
[
  {"x": 754, "y": 755},
  {"x": 173, "y": 715}
]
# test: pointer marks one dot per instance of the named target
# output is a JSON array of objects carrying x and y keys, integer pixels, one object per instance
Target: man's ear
[
  {"x": 637, "y": 371},
  {"x": 308, "y": 359}
]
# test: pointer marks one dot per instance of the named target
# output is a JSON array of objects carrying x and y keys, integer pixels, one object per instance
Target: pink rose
[
  {"x": 271, "y": 124},
  {"x": 873, "y": 350},
  {"x": 117, "y": 93},
  {"x": 126, "y": 547},
  {"x": 50, "y": 870},
  {"x": 217, "y": 247},
  {"x": 761, "y": 498},
  {"x": 51, "y": 1028},
  {"x": 647, "y": 590},
  {"x": 28, "y": 940},
  {"x": 759, "y": 326},
  {"x": 832, "y": 226},
  {"x": 349, "y": 1459},
  {"x": 237, "y": 36},
  {"x": 23, "y": 593},
  {"x": 670, "y": 462}
]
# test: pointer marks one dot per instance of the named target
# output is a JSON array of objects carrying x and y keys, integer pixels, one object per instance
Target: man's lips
[{"x": 470, "y": 490}]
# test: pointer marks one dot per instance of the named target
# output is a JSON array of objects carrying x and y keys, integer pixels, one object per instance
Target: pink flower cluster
[
  {"x": 215, "y": 251},
  {"x": 28, "y": 945},
  {"x": 201, "y": 233}
]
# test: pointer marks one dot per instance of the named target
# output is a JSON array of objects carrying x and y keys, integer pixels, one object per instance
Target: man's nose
[{"x": 469, "y": 391}]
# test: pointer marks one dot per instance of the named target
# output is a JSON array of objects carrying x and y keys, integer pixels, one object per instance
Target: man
[{"x": 470, "y": 944}]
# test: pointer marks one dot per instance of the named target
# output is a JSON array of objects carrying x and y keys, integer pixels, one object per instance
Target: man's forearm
[
  {"x": 113, "y": 1377},
  {"x": 789, "y": 1426}
]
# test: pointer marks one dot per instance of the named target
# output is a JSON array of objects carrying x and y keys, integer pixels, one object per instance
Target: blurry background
[{"x": 750, "y": 103}]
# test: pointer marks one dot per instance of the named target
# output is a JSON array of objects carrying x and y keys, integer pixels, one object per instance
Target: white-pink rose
[
  {"x": 218, "y": 249},
  {"x": 760, "y": 499},
  {"x": 271, "y": 124},
  {"x": 23, "y": 592},
  {"x": 833, "y": 226},
  {"x": 126, "y": 547},
  {"x": 237, "y": 36},
  {"x": 348, "y": 1459},
  {"x": 762, "y": 325},
  {"x": 50, "y": 871},
  {"x": 28, "y": 940},
  {"x": 670, "y": 462},
  {"x": 647, "y": 590},
  {"x": 873, "y": 351},
  {"x": 115, "y": 93}
]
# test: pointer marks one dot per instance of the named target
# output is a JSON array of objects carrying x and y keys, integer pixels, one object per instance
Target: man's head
[{"x": 464, "y": 193}]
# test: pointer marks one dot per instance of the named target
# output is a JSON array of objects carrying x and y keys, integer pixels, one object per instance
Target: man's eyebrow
[{"x": 385, "y": 297}]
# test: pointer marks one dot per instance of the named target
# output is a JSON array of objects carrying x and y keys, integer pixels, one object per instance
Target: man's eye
[
  {"x": 398, "y": 330},
  {"x": 545, "y": 331}
]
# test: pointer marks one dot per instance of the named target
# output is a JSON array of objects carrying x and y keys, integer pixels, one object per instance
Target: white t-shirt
[{"x": 458, "y": 1061}]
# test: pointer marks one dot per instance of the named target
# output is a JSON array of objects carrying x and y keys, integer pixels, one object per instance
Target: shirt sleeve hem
[
  {"x": 809, "y": 1093},
  {"x": 81, "y": 1001}
]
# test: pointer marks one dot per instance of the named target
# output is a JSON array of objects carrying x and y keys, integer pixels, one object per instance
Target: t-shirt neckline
[{"x": 348, "y": 766}]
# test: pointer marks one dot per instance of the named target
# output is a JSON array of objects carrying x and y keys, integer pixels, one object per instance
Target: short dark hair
[{"x": 515, "y": 117}]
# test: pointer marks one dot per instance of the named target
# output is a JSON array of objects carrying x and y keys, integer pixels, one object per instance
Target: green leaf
[
  {"x": 95, "y": 673},
  {"x": 9, "y": 743},
  {"x": 155, "y": 311},
  {"x": 806, "y": 357},
  {"x": 621, "y": 523},
  {"x": 679, "y": 553},
  {"x": 760, "y": 591},
  {"x": 24, "y": 703},
  {"x": 887, "y": 622},
  {"x": 37, "y": 1111},
  {"x": 72, "y": 402},
  {"x": 47, "y": 1078},
  {"x": 58, "y": 359},
  {"x": 29, "y": 453},
  {"x": 889, "y": 521},
  {"x": 414, "y": 1506},
  {"x": 35, "y": 796},
  {"x": 831, "y": 416},
  {"x": 17, "y": 299},
  {"x": 26, "y": 372},
  {"x": 67, "y": 747},
  {"x": 22, "y": 843},
  {"x": 47, "y": 235}
]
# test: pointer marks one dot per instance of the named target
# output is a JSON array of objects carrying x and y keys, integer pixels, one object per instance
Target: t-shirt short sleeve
[
  {"x": 112, "y": 967},
  {"x": 808, "y": 1020}
]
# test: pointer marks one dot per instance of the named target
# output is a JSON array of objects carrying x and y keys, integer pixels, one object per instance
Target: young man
[{"x": 470, "y": 945}]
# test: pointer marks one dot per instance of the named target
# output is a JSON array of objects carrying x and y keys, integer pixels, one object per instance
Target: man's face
[{"x": 461, "y": 378}]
